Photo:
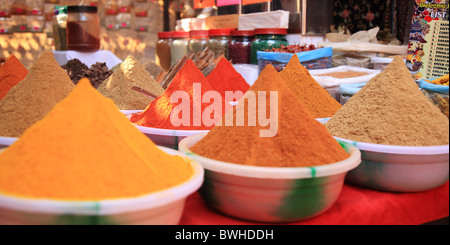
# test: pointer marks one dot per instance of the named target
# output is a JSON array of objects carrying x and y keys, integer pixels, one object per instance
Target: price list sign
[{"x": 438, "y": 61}]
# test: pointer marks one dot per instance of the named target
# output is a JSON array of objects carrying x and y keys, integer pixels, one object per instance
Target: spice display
[
  {"x": 240, "y": 47},
  {"x": 83, "y": 28},
  {"x": 163, "y": 58},
  {"x": 179, "y": 47},
  {"x": 199, "y": 40},
  {"x": 86, "y": 150},
  {"x": 225, "y": 78},
  {"x": 267, "y": 39},
  {"x": 318, "y": 101},
  {"x": 98, "y": 72},
  {"x": 31, "y": 99},
  {"x": 11, "y": 73},
  {"x": 292, "y": 49},
  {"x": 158, "y": 113},
  {"x": 301, "y": 144},
  {"x": 219, "y": 39},
  {"x": 391, "y": 110},
  {"x": 440, "y": 80},
  {"x": 344, "y": 74},
  {"x": 118, "y": 86}
]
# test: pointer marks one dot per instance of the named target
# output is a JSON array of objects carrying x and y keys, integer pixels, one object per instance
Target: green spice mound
[{"x": 391, "y": 110}]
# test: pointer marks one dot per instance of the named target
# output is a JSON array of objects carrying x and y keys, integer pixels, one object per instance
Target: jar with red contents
[
  {"x": 199, "y": 40},
  {"x": 219, "y": 40},
  {"x": 83, "y": 28},
  {"x": 267, "y": 38},
  {"x": 240, "y": 47}
]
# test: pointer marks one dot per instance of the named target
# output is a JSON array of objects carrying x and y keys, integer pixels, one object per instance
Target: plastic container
[
  {"x": 400, "y": 168},
  {"x": 7, "y": 141},
  {"x": 198, "y": 40},
  {"x": 314, "y": 59},
  {"x": 163, "y": 57},
  {"x": 159, "y": 208},
  {"x": 270, "y": 194},
  {"x": 18, "y": 13},
  {"x": 111, "y": 11},
  {"x": 179, "y": 46},
  {"x": 267, "y": 39},
  {"x": 347, "y": 91},
  {"x": 240, "y": 47},
  {"x": 437, "y": 94},
  {"x": 380, "y": 63},
  {"x": 83, "y": 28},
  {"x": 219, "y": 39}
]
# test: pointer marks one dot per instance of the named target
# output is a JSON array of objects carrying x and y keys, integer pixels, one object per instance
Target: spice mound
[
  {"x": 318, "y": 101},
  {"x": 11, "y": 73},
  {"x": 118, "y": 86},
  {"x": 86, "y": 150},
  {"x": 440, "y": 80},
  {"x": 344, "y": 74},
  {"x": 292, "y": 49},
  {"x": 391, "y": 110},
  {"x": 31, "y": 99},
  {"x": 300, "y": 140},
  {"x": 225, "y": 78},
  {"x": 191, "y": 83}
]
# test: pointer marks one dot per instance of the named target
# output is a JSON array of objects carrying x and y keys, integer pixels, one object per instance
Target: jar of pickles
[
  {"x": 267, "y": 38},
  {"x": 219, "y": 39},
  {"x": 199, "y": 40},
  {"x": 178, "y": 46},
  {"x": 240, "y": 47},
  {"x": 83, "y": 28}
]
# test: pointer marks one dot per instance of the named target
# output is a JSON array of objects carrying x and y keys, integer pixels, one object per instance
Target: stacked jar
[
  {"x": 179, "y": 46},
  {"x": 199, "y": 41},
  {"x": 163, "y": 57},
  {"x": 267, "y": 38},
  {"x": 219, "y": 39},
  {"x": 240, "y": 47}
]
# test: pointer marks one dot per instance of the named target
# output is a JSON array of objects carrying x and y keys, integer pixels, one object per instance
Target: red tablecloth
[{"x": 355, "y": 206}]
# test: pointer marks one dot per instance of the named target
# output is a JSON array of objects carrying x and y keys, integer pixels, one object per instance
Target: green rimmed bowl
[
  {"x": 159, "y": 208},
  {"x": 270, "y": 194}
]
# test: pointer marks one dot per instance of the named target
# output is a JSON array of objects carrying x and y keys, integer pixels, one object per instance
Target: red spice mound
[
  {"x": 225, "y": 78},
  {"x": 11, "y": 73}
]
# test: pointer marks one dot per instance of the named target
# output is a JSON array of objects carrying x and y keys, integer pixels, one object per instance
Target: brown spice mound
[
  {"x": 75, "y": 69},
  {"x": 30, "y": 100},
  {"x": 391, "y": 110},
  {"x": 96, "y": 74},
  {"x": 344, "y": 74}
]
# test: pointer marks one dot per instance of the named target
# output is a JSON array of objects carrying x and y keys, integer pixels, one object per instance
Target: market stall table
[{"x": 355, "y": 206}]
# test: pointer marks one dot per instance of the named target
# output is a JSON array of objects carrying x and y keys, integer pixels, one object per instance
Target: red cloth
[{"x": 355, "y": 206}]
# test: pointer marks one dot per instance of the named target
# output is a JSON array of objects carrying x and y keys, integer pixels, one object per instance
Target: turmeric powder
[
  {"x": 86, "y": 150},
  {"x": 11, "y": 73}
]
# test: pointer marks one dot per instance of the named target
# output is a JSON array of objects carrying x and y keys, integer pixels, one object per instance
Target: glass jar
[
  {"x": 163, "y": 58},
  {"x": 83, "y": 28},
  {"x": 179, "y": 46},
  {"x": 219, "y": 39},
  {"x": 199, "y": 40},
  {"x": 240, "y": 47},
  {"x": 59, "y": 26},
  {"x": 266, "y": 39}
]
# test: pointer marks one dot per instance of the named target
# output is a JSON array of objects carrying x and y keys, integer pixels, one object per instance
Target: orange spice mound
[
  {"x": 318, "y": 101},
  {"x": 158, "y": 112},
  {"x": 301, "y": 141},
  {"x": 86, "y": 150}
]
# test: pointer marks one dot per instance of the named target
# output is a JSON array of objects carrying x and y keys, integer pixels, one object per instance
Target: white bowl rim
[
  {"x": 272, "y": 172},
  {"x": 113, "y": 206},
  {"x": 404, "y": 150},
  {"x": 7, "y": 140}
]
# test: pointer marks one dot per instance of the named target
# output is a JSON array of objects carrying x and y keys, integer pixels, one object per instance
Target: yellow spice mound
[{"x": 85, "y": 149}]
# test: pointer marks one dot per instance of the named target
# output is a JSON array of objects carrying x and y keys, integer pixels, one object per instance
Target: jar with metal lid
[
  {"x": 179, "y": 46},
  {"x": 163, "y": 50},
  {"x": 83, "y": 28},
  {"x": 199, "y": 40},
  {"x": 267, "y": 38},
  {"x": 240, "y": 47},
  {"x": 219, "y": 39}
]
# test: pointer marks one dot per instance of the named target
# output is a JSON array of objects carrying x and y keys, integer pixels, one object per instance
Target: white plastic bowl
[
  {"x": 400, "y": 168},
  {"x": 129, "y": 112},
  {"x": 270, "y": 194},
  {"x": 159, "y": 208},
  {"x": 7, "y": 141}
]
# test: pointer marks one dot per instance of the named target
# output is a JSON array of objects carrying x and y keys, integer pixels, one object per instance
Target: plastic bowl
[
  {"x": 400, "y": 168},
  {"x": 7, "y": 141},
  {"x": 323, "y": 120},
  {"x": 270, "y": 194},
  {"x": 159, "y": 208}
]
